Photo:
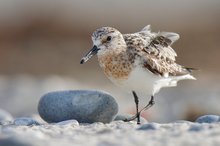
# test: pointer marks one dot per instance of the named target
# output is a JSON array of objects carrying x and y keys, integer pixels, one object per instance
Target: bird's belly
[{"x": 139, "y": 80}]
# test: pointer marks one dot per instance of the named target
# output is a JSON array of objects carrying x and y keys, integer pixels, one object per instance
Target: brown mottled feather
[
  {"x": 155, "y": 52},
  {"x": 118, "y": 70}
]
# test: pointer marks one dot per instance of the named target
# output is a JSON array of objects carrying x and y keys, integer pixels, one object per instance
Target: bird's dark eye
[{"x": 109, "y": 38}]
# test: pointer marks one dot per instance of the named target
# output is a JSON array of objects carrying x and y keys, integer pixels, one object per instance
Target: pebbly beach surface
[
  {"x": 115, "y": 133},
  {"x": 95, "y": 121}
]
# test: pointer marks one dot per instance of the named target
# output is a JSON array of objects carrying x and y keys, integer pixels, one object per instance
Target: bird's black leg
[
  {"x": 136, "y": 100},
  {"x": 150, "y": 104}
]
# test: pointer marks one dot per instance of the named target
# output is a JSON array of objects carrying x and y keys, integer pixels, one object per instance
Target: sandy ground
[{"x": 117, "y": 133}]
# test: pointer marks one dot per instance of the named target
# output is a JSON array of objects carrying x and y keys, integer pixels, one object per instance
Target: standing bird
[{"x": 138, "y": 62}]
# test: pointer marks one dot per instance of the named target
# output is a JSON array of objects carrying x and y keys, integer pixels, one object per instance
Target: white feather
[{"x": 143, "y": 81}]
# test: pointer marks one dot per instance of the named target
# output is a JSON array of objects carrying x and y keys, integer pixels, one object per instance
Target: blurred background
[{"x": 42, "y": 42}]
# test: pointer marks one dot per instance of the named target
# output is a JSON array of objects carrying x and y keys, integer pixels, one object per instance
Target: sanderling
[{"x": 139, "y": 62}]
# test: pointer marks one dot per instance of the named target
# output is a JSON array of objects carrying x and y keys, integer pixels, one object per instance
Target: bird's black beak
[{"x": 91, "y": 53}]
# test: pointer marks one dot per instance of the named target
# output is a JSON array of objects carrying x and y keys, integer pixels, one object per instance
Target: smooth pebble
[
  {"x": 85, "y": 106},
  {"x": 196, "y": 127},
  {"x": 25, "y": 121},
  {"x": 68, "y": 122},
  {"x": 208, "y": 119},
  {"x": 149, "y": 126}
]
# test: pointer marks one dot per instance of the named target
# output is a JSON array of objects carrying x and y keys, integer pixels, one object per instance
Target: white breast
[{"x": 139, "y": 80}]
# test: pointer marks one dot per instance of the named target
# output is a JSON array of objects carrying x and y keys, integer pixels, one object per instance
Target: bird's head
[{"x": 104, "y": 39}]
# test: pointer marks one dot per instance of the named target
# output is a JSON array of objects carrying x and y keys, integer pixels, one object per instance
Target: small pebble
[
  {"x": 208, "y": 119},
  {"x": 12, "y": 141},
  {"x": 25, "y": 121},
  {"x": 68, "y": 122},
  {"x": 196, "y": 127},
  {"x": 149, "y": 126}
]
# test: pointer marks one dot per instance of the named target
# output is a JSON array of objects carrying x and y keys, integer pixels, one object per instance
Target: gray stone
[
  {"x": 122, "y": 117},
  {"x": 5, "y": 117},
  {"x": 12, "y": 142},
  {"x": 208, "y": 119},
  {"x": 85, "y": 106},
  {"x": 68, "y": 122},
  {"x": 149, "y": 126},
  {"x": 25, "y": 121},
  {"x": 196, "y": 127}
]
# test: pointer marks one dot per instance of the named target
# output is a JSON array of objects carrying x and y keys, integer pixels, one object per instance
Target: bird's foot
[{"x": 133, "y": 118}]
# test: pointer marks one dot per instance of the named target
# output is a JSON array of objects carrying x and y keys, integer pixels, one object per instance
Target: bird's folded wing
[
  {"x": 160, "y": 56},
  {"x": 160, "y": 45},
  {"x": 156, "y": 52},
  {"x": 162, "y": 67}
]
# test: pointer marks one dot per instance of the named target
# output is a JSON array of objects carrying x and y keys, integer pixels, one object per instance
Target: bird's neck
[{"x": 111, "y": 54}]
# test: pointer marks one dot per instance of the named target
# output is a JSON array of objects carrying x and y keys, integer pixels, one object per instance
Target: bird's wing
[
  {"x": 155, "y": 51},
  {"x": 160, "y": 43}
]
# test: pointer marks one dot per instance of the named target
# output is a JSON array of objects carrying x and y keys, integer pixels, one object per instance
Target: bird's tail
[{"x": 190, "y": 69}]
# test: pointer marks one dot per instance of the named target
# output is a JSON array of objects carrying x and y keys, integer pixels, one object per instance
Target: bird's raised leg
[
  {"x": 150, "y": 104},
  {"x": 136, "y": 100}
]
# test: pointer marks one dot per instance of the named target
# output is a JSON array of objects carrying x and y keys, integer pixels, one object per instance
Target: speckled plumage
[{"x": 151, "y": 51}]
